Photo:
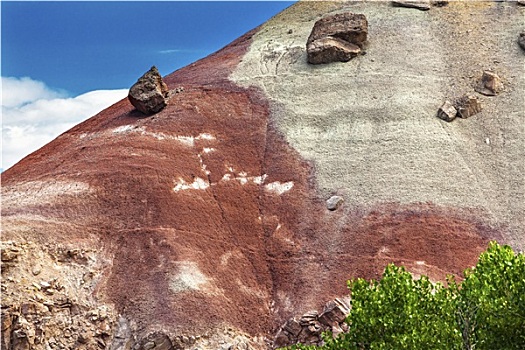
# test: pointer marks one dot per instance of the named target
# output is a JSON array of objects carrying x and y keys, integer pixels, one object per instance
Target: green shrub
[{"x": 485, "y": 311}]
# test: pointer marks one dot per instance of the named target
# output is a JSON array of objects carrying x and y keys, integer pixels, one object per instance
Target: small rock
[
  {"x": 422, "y": 5},
  {"x": 338, "y": 37},
  {"x": 149, "y": 345},
  {"x": 490, "y": 84},
  {"x": 521, "y": 2},
  {"x": 447, "y": 112},
  {"x": 149, "y": 94},
  {"x": 334, "y": 202},
  {"x": 45, "y": 285},
  {"x": 521, "y": 38},
  {"x": 467, "y": 106},
  {"x": 36, "y": 270}
]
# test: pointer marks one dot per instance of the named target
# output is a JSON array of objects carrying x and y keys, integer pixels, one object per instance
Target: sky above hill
[{"x": 63, "y": 62}]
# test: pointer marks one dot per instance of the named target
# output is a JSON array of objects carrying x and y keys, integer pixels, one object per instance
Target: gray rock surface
[
  {"x": 372, "y": 133},
  {"x": 149, "y": 94}
]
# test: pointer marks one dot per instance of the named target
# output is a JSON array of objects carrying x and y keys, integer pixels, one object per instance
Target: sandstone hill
[{"x": 206, "y": 224}]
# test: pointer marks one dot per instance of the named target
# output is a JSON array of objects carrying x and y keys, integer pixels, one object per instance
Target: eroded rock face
[
  {"x": 338, "y": 37},
  {"x": 149, "y": 94},
  {"x": 307, "y": 329}
]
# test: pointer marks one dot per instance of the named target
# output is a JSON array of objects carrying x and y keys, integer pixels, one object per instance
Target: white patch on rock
[
  {"x": 188, "y": 278},
  {"x": 278, "y": 187},
  {"x": 259, "y": 180},
  {"x": 205, "y": 136},
  {"x": 123, "y": 129},
  {"x": 186, "y": 140},
  {"x": 208, "y": 149},
  {"x": 197, "y": 184}
]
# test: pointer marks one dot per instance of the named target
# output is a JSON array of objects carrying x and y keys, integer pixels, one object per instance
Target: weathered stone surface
[
  {"x": 338, "y": 37},
  {"x": 334, "y": 202},
  {"x": 293, "y": 327},
  {"x": 330, "y": 49},
  {"x": 422, "y": 5},
  {"x": 467, "y": 106},
  {"x": 447, "y": 112},
  {"x": 521, "y": 39},
  {"x": 490, "y": 84},
  {"x": 149, "y": 94},
  {"x": 521, "y": 2},
  {"x": 334, "y": 312}
]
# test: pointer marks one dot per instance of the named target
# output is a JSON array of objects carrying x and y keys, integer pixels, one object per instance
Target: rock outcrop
[
  {"x": 149, "y": 94},
  {"x": 338, "y": 37},
  {"x": 206, "y": 226},
  {"x": 308, "y": 328}
]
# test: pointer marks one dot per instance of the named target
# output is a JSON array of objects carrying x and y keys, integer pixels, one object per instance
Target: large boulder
[
  {"x": 338, "y": 37},
  {"x": 149, "y": 94}
]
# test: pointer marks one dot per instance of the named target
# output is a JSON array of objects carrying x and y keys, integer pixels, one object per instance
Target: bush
[{"x": 485, "y": 311}]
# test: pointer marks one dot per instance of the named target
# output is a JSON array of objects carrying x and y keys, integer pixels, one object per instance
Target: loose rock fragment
[
  {"x": 467, "y": 106},
  {"x": 334, "y": 202},
  {"x": 149, "y": 94},
  {"x": 338, "y": 37},
  {"x": 422, "y": 5},
  {"x": 447, "y": 112},
  {"x": 490, "y": 84}
]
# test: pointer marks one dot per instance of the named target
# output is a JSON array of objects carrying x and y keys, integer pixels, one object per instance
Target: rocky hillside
[{"x": 266, "y": 182}]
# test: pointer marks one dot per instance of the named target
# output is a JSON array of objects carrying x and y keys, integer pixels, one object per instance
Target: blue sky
[{"x": 62, "y": 62}]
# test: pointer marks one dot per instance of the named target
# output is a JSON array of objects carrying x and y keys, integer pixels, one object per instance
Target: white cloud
[{"x": 33, "y": 114}]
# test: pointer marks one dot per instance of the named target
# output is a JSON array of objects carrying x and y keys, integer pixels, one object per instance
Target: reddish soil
[{"x": 255, "y": 247}]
